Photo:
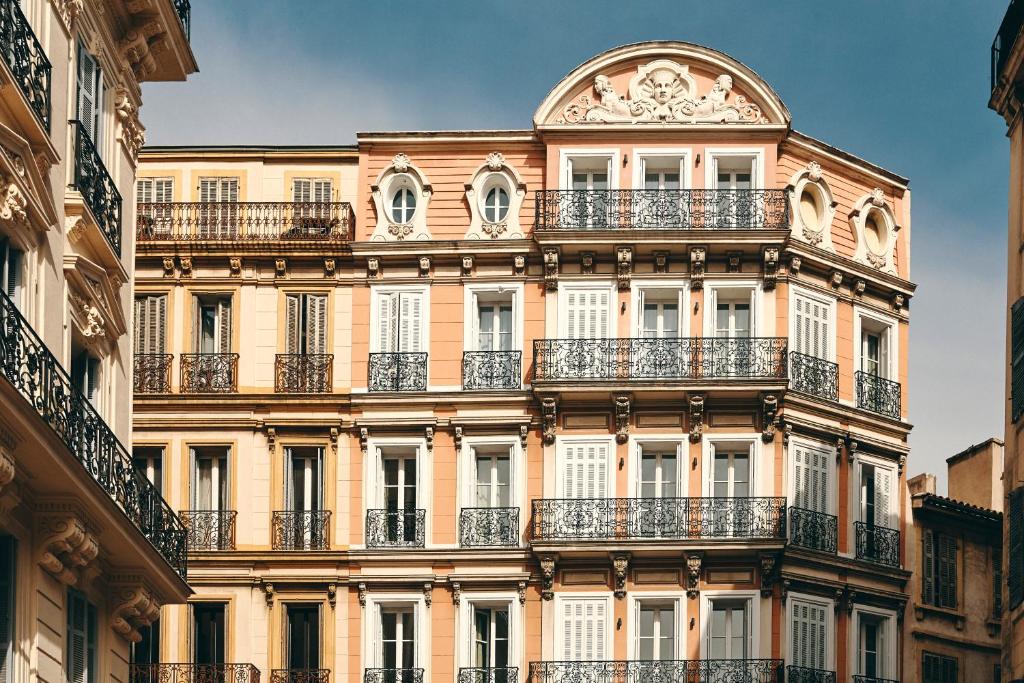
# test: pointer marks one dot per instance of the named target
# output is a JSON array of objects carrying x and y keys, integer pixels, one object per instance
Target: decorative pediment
[
  {"x": 95, "y": 299},
  {"x": 26, "y": 198}
]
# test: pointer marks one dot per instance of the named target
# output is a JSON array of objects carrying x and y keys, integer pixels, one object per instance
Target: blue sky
[{"x": 903, "y": 84}]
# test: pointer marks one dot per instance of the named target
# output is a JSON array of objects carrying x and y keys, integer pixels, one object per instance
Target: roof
[
  {"x": 957, "y": 507},
  {"x": 971, "y": 450}
]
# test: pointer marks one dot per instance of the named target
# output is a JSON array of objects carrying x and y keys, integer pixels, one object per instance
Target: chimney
[
  {"x": 975, "y": 475},
  {"x": 922, "y": 483}
]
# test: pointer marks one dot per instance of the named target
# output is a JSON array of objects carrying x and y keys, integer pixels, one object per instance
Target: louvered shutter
[
  {"x": 585, "y": 630},
  {"x": 301, "y": 190},
  {"x": 150, "y": 324},
  {"x": 224, "y": 326},
  {"x": 585, "y": 470},
  {"x": 322, "y": 191},
  {"x": 810, "y": 479},
  {"x": 89, "y": 96},
  {"x": 947, "y": 570},
  {"x": 7, "y": 602},
  {"x": 928, "y": 567},
  {"x": 144, "y": 190},
  {"x": 587, "y": 314},
  {"x": 1017, "y": 358},
  {"x": 163, "y": 190},
  {"x": 811, "y": 327},
  {"x": 292, "y": 343},
  {"x": 410, "y": 322},
  {"x": 78, "y": 639},
  {"x": 229, "y": 190},
  {"x": 386, "y": 323},
  {"x": 208, "y": 190},
  {"x": 883, "y": 493},
  {"x": 316, "y": 323},
  {"x": 1015, "y": 552},
  {"x": 808, "y": 623}
]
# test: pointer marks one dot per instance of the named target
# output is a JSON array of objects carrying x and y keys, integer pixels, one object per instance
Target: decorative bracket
[
  {"x": 456, "y": 593},
  {"x": 587, "y": 262},
  {"x": 467, "y": 266},
  {"x": 661, "y": 262},
  {"x": 268, "y": 593},
  {"x": 458, "y": 438},
  {"x": 551, "y": 269},
  {"x": 168, "y": 263},
  {"x": 519, "y": 264},
  {"x": 524, "y": 431},
  {"x": 549, "y": 408},
  {"x": 364, "y": 434},
  {"x": 424, "y": 266},
  {"x": 622, "y": 408},
  {"x": 521, "y": 589},
  {"x": 372, "y": 266},
  {"x": 429, "y": 434},
  {"x": 835, "y": 279},
  {"x": 898, "y": 301},
  {"x": 859, "y": 287},
  {"x": 280, "y": 267},
  {"x": 271, "y": 437},
  {"x": 697, "y": 256},
  {"x": 767, "y": 575},
  {"x": 329, "y": 267},
  {"x": 332, "y": 595},
  {"x": 428, "y": 593},
  {"x": 547, "y": 568},
  {"x": 362, "y": 595},
  {"x": 693, "y": 564},
  {"x": 235, "y": 266},
  {"x": 794, "y": 265},
  {"x": 620, "y": 563},
  {"x": 185, "y": 264},
  {"x": 68, "y": 546},
  {"x": 135, "y": 608},
  {"x": 769, "y": 410},
  {"x": 696, "y": 417},
  {"x": 771, "y": 267},
  {"x": 624, "y": 258},
  {"x": 734, "y": 261}
]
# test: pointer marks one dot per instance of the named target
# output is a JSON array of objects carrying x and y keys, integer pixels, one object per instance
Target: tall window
[
  {"x": 661, "y": 205},
  {"x": 875, "y": 494},
  {"x": 304, "y": 478},
  {"x": 398, "y": 637},
  {"x": 734, "y": 178},
  {"x": 219, "y": 215},
  {"x": 12, "y": 274},
  {"x": 148, "y": 461},
  {"x": 208, "y": 632},
  {"x": 587, "y": 313},
  {"x": 150, "y": 323},
  {"x": 312, "y": 197},
  {"x": 493, "y": 477},
  {"x": 81, "y": 641},
  {"x": 808, "y": 634},
  {"x": 90, "y": 95},
  {"x": 660, "y": 483},
  {"x": 318, "y": 190},
  {"x": 872, "y": 644},
  {"x": 156, "y": 194},
  {"x": 584, "y": 470},
  {"x": 731, "y": 478},
  {"x": 656, "y": 631},
  {"x": 147, "y": 650},
  {"x": 811, "y": 485},
  {"x": 7, "y": 607},
  {"x": 400, "y": 484},
  {"x": 938, "y": 569},
  {"x": 494, "y": 323},
  {"x": 400, "y": 318},
  {"x": 306, "y": 324},
  {"x": 212, "y": 330},
  {"x": 874, "y": 348},
  {"x": 491, "y": 639},
  {"x": 209, "y": 478},
  {"x": 85, "y": 374},
  {"x": 303, "y": 644},
  {"x": 729, "y": 632},
  {"x": 938, "y": 668},
  {"x": 585, "y": 629},
  {"x": 811, "y": 327},
  {"x": 589, "y": 180},
  {"x": 660, "y": 314}
]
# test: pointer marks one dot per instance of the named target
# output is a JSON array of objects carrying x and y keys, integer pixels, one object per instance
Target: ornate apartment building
[
  {"x": 619, "y": 396},
  {"x": 89, "y": 550}
]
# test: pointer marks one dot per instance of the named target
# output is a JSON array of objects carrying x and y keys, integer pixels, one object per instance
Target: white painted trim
[
  {"x": 859, "y": 314},
  {"x": 713, "y": 153},
  {"x": 754, "y": 598},
  {"x": 636, "y": 442},
  {"x": 833, "y": 477},
  {"x": 464, "y": 627},
  {"x": 373, "y": 482},
  {"x": 566, "y": 152},
  {"x": 685, "y": 155},
  {"x": 830, "y": 301},
  {"x": 556, "y": 483},
  {"x": 889, "y": 659},
  {"x": 678, "y": 598},
  {"x": 819, "y": 235},
  {"x": 667, "y": 284},
  {"x": 371, "y": 642},
  {"x": 469, "y": 312},
  {"x": 711, "y": 288},
  {"x": 707, "y": 452},
  {"x": 859, "y": 460},
  {"x": 559, "y": 616},
  {"x": 466, "y": 473},
  {"x": 585, "y": 285},
  {"x": 376, "y": 291},
  {"x": 830, "y": 626}
]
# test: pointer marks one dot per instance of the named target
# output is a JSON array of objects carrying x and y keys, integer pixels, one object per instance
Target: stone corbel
[
  {"x": 467, "y": 266},
  {"x": 623, "y": 403},
  {"x": 68, "y": 11},
  {"x": 458, "y": 438},
  {"x": 332, "y": 595},
  {"x": 835, "y": 278},
  {"x": 235, "y": 266},
  {"x": 135, "y": 608},
  {"x": 280, "y": 267},
  {"x": 898, "y": 301},
  {"x": 372, "y": 267},
  {"x": 697, "y": 257},
  {"x": 428, "y": 593},
  {"x": 185, "y": 265},
  {"x": 620, "y": 563},
  {"x": 547, "y": 569},
  {"x": 362, "y": 594},
  {"x": 334, "y": 440},
  {"x": 524, "y": 431},
  {"x": 519, "y": 264},
  {"x": 734, "y": 261},
  {"x": 364, "y": 434},
  {"x": 840, "y": 442},
  {"x": 456, "y": 593},
  {"x": 549, "y": 408},
  {"x": 693, "y": 565},
  {"x": 13, "y": 204},
  {"x": 271, "y": 437},
  {"x": 521, "y": 590},
  {"x": 424, "y": 263},
  {"x": 428, "y": 434},
  {"x": 6, "y": 470},
  {"x": 624, "y": 258},
  {"x": 851, "y": 449},
  {"x": 837, "y": 600},
  {"x": 785, "y": 590},
  {"x": 661, "y": 262},
  {"x": 771, "y": 267},
  {"x": 551, "y": 269},
  {"x": 769, "y": 410},
  {"x": 900, "y": 465},
  {"x": 168, "y": 262},
  {"x": 67, "y": 548},
  {"x": 268, "y": 593},
  {"x": 794, "y": 265},
  {"x": 132, "y": 134},
  {"x": 767, "y": 575},
  {"x": 587, "y": 262},
  {"x": 859, "y": 287},
  {"x": 696, "y": 417},
  {"x": 330, "y": 266},
  {"x": 849, "y": 598}
]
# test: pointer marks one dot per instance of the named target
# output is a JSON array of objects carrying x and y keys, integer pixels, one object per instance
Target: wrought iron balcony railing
[
  {"x": 97, "y": 187},
  {"x": 300, "y": 675},
  {"x": 209, "y": 373},
  {"x": 873, "y": 679},
  {"x": 303, "y": 373},
  {"x": 184, "y": 10},
  {"x": 193, "y": 673},
  {"x": 669, "y": 670},
  {"x": 393, "y": 676},
  {"x": 878, "y": 394},
  {"x": 662, "y": 210},
  {"x": 152, "y": 373},
  {"x": 26, "y": 59},
  {"x": 301, "y": 530},
  {"x": 492, "y": 369},
  {"x": 398, "y": 372},
  {"x": 396, "y": 528},
  {"x": 877, "y": 544},
  {"x": 1006, "y": 36},
  {"x": 32, "y": 371},
  {"x": 658, "y": 518},
  {"x": 803, "y": 674},
  {"x": 488, "y": 527},
  {"x": 659, "y": 359},
  {"x": 508, "y": 674},
  {"x": 244, "y": 222},
  {"x": 814, "y": 376},
  {"x": 813, "y": 530},
  {"x": 210, "y": 529}
]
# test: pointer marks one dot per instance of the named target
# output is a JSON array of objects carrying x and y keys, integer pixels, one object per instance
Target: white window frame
[
  {"x": 716, "y": 440},
  {"x": 890, "y": 639},
  {"x": 677, "y": 599},
  {"x": 682, "y": 288},
  {"x": 372, "y": 647},
  {"x": 563, "y": 315},
  {"x": 642, "y": 153},
  {"x": 466, "y": 472},
  {"x": 859, "y": 460},
  {"x": 566, "y": 154},
  {"x": 636, "y": 445},
  {"x": 712, "y": 288},
  {"x": 830, "y": 626},
  {"x": 824, "y": 299},
  {"x": 594, "y": 596},
  {"x": 557, "y": 484},
  {"x": 713, "y": 154},
  {"x": 375, "y": 296},
  {"x": 831, "y": 501},
  {"x": 373, "y": 477},
  {"x": 470, "y": 295},
  {"x": 860, "y": 314},
  {"x": 753, "y": 597},
  {"x": 464, "y": 626}
]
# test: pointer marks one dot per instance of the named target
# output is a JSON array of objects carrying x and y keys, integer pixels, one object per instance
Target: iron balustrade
[
  {"x": 813, "y": 530},
  {"x": 505, "y": 674},
  {"x": 301, "y": 530},
  {"x": 303, "y": 373},
  {"x": 34, "y": 373},
  {"x": 804, "y": 674},
  {"x": 210, "y": 529},
  {"x": 878, "y": 394},
  {"x": 877, "y": 544},
  {"x": 814, "y": 376},
  {"x": 664, "y": 671},
  {"x": 398, "y": 371},
  {"x": 26, "y": 59},
  {"x": 152, "y": 373},
  {"x": 658, "y": 518},
  {"x": 483, "y": 527},
  {"x": 209, "y": 373},
  {"x": 661, "y": 210},
  {"x": 97, "y": 187},
  {"x": 193, "y": 673},
  {"x": 1006, "y": 36},
  {"x": 235, "y": 222},
  {"x": 396, "y": 528},
  {"x": 677, "y": 358},
  {"x": 300, "y": 675},
  {"x": 873, "y": 679},
  {"x": 184, "y": 11},
  {"x": 409, "y": 675},
  {"x": 492, "y": 369}
]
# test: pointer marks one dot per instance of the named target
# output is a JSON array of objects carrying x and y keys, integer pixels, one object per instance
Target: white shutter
[
  {"x": 810, "y": 478},
  {"x": 163, "y": 190},
  {"x": 386, "y": 321},
  {"x": 883, "y": 494},
  {"x": 301, "y": 190},
  {"x": 316, "y": 323},
  {"x": 811, "y": 328},
  {"x": 322, "y": 190},
  {"x": 410, "y": 322},
  {"x": 586, "y": 313},
  {"x": 208, "y": 190},
  {"x": 78, "y": 638},
  {"x": 229, "y": 190},
  {"x": 291, "y": 317},
  {"x": 144, "y": 190},
  {"x": 585, "y": 630},
  {"x": 88, "y": 94},
  {"x": 808, "y": 634},
  {"x": 224, "y": 326},
  {"x": 585, "y": 470}
]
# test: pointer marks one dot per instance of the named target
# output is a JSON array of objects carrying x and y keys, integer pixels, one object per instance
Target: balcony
[
  {"x": 26, "y": 59},
  {"x": 398, "y": 372},
  {"x": 300, "y": 675},
  {"x": 877, "y": 394},
  {"x": 874, "y": 679},
  {"x": 210, "y": 529},
  {"x": 237, "y": 223},
  {"x": 396, "y": 528},
  {"x": 393, "y": 676},
  {"x": 492, "y": 369},
  {"x": 877, "y": 544},
  {"x": 301, "y": 530},
  {"x": 803, "y": 674},
  {"x": 813, "y": 530},
  {"x": 193, "y": 673},
  {"x": 184, "y": 12},
  {"x": 97, "y": 188},
  {"x": 489, "y": 675},
  {"x": 654, "y": 360},
  {"x": 1006, "y": 36},
  {"x": 658, "y": 519},
  {"x": 814, "y": 376},
  {"x": 303, "y": 373},
  {"x": 152, "y": 373},
  {"x": 489, "y": 527},
  {"x": 209, "y": 373},
  {"x": 34, "y": 373},
  {"x": 675, "y": 671},
  {"x": 619, "y": 210}
]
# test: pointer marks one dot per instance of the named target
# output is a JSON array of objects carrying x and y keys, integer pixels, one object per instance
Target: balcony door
[
  {"x": 812, "y": 327},
  {"x": 585, "y": 630},
  {"x": 661, "y": 204},
  {"x": 659, "y": 512},
  {"x": 808, "y": 634},
  {"x": 493, "y": 478},
  {"x": 208, "y": 633},
  {"x": 210, "y": 495},
  {"x": 306, "y": 324},
  {"x": 730, "y": 490},
  {"x": 587, "y": 205},
  {"x": 494, "y": 328},
  {"x": 312, "y": 211},
  {"x": 731, "y": 351},
  {"x": 400, "y": 322},
  {"x": 398, "y": 640},
  {"x": 585, "y": 319},
  {"x": 656, "y": 631},
  {"x": 875, "y": 494},
  {"x": 874, "y": 352},
  {"x": 729, "y": 630},
  {"x": 491, "y": 642},
  {"x": 661, "y": 351},
  {"x": 304, "y": 495},
  {"x": 218, "y": 214},
  {"x": 872, "y": 635},
  {"x": 400, "y": 495},
  {"x": 154, "y": 196},
  {"x": 734, "y": 178},
  {"x": 583, "y": 484},
  {"x": 90, "y": 95},
  {"x": 212, "y": 330},
  {"x": 303, "y": 637}
]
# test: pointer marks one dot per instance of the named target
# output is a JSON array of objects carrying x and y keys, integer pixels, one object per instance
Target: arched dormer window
[
  {"x": 401, "y": 195},
  {"x": 811, "y": 206},
  {"x": 874, "y": 227},
  {"x": 495, "y": 195}
]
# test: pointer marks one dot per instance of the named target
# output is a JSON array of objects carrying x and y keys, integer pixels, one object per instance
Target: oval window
[
  {"x": 403, "y": 205},
  {"x": 496, "y": 204},
  {"x": 810, "y": 209},
  {"x": 874, "y": 233}
]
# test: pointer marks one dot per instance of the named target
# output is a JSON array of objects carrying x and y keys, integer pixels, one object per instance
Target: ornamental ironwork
[
  {"x": 300, "y": 675},
  {"x": 813, "y": 530},
  {"x": 492, "y": 369},
  {"x": 502, "y": 674},
  {"x": 665, "y": 671},
  {"x": 878, "y": 394},
  {"x": 873, "y": 679},
  {"x": 152, "y": 373},
  {"x": 483, "y": 527},
  {"x": 97, "y": 187},
  {"x": 658, "y": 518},
  {"x": 209, "y": 373},
  {"x": 662, "y": 210},
  {"x": 303, "y": 373},
  {"x": 210, "y": 529},
  {"x": 660, "y": 359},
  {"x": 32, "y": 371},
  {"x": 393, "y": 676},
  {"x": 877, "y": 544},
  {"x": 301, "y": 530},
  {"x": 395, "y": 528},
  {"x": 193, "y": 673},
  {"x": 398, "y": 371},
  {"x": 184, "y": 11},
  {"x": 26, "y": 59},
  {"x": 814, "y": 376},
  {"x": 804, "y": 674},
  {"x": 244, "y": 222}
]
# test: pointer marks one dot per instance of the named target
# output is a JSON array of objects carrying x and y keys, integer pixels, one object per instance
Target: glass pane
[
  {"x": 579, "y": 181},
  {"x": 742, "y": 181},
  {"x": 648, "y": 467},
  {"x": 670, "y": 320},
  {"x": 650, "y": 320},
  {"x": 651, "y": 180},
  {"x": 669, "y": 476},
  {"x": 208, "y": 329},
  {"x": 742, "y": 318},
  {"x": 600, "y": 181},
  {"x": 672, "y": 181},
  {"x": 722, "y": 318},
  {"x": 646, "y": 622}
]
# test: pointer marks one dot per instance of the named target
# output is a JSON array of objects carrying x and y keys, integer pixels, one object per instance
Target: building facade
[
  {"x": 89, "y": 550},
  {"x": 619, "y": 395}
]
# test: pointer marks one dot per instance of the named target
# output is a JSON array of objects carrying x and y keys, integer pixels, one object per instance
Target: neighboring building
[
  {"x": 955, "y": 550},
  {"x": 89, "y": 550},
  {"x": 628, "y": 385}
]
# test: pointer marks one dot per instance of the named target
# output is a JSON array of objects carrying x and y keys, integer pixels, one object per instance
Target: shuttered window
[
  {"x": 811, "y": 327},
  {"x": 938, "y": 569},
  {"x": 7, "y": 588},
  {"x": 584, "y": 470},
  {"x": 808, "y": 634},
  {"x": 81, "y": 641},
  {"x": 212, "y": 331},
  {"x": 90, "y": 95},
  {"x": 810, "y": 478},
  {"x": 150, "y": 190},
  {"x": 311, "y": 190},
  {"x": 587, "y": 313},
  {"x": 938, "y": 668},
  {"x": 997, "y": 582},
  {"x": 1017, "y": 358},
  {"x": 1015, "y": 537},
  {"x": 306, "y": 321},
  {"x": 400, "y": 322},
  {"x": 12, "y": 276},
  {"x": 220, "y": 217},
  {"x": 150, "y": 323},
  {"x": 584, "y": 630}
]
